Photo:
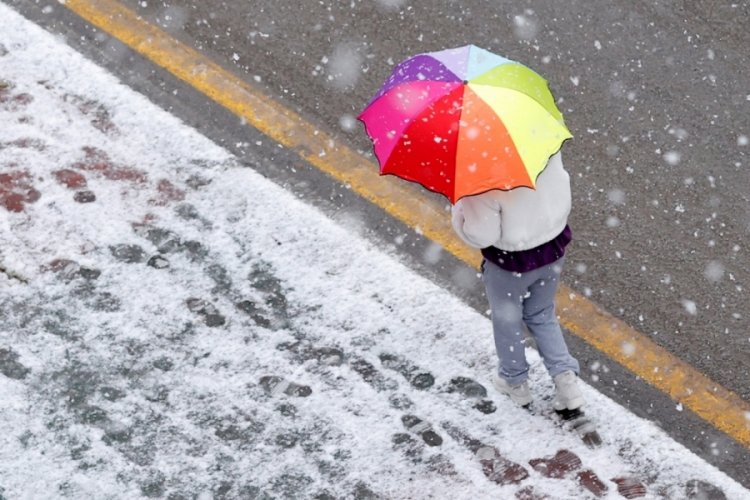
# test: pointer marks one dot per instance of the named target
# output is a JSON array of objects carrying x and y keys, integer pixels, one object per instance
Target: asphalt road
[{"x": 655, "y": 94}]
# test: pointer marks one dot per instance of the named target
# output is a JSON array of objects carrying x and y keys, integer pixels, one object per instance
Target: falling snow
[
  {"x": 672, "y": 157},
  {"x": 344, "y": 66},
  {"x": 690, "y": 307},
  {"x": 525, "y": 25},
  {"x": 714, "y": 271}
]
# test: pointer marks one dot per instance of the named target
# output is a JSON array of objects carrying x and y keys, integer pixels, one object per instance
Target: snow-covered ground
[{"x": 174, "y": 325}]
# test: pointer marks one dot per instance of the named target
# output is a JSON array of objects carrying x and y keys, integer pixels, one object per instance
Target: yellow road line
[{"x": 712, "y": 402}]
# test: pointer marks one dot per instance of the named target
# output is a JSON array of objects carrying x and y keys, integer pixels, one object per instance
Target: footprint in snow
[
  {"x": 207, "y": 310},
  {"x": 276, "y": 386},
  {"x": 419, "y": 379},
  {"x": 423, "y": 429}
]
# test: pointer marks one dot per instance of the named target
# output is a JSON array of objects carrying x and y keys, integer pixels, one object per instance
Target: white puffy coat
[{"x": 519, "y": 219}]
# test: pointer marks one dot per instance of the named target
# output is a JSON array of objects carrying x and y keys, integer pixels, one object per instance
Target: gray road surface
[{"x": 655, "y": 93}]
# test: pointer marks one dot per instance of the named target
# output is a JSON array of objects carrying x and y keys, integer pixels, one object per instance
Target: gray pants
[{"x": 519, "y": 299}]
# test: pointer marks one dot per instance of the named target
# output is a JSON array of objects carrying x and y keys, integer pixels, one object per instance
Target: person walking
[{"x": 522, "y": 234}]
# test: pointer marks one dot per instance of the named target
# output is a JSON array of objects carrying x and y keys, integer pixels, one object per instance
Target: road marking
[{"x": 712, "y": 402}]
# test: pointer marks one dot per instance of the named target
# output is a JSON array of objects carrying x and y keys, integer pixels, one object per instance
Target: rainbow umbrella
[{"x": 464, "y": 121}]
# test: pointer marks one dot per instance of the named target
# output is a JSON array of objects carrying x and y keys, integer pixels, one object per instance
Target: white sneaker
[
  {"x": 567, "y": 394},
  {"x": 519, "y": 394}
]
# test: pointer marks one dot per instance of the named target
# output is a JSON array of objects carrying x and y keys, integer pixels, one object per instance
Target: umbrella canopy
[{"x": 464, "y": 121}]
